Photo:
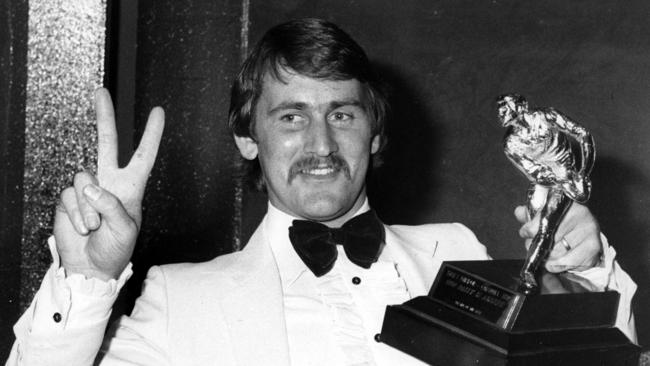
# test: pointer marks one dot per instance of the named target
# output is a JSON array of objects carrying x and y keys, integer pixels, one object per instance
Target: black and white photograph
[{"x": 324, "y": 182}]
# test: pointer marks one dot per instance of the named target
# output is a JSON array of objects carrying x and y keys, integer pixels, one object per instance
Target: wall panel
[
  {"x": 188, "y": 51},
  {"x": 13, "y": 62}
]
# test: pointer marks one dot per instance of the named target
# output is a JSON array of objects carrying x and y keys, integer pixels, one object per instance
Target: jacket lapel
[{"x": 254, "y": 308}]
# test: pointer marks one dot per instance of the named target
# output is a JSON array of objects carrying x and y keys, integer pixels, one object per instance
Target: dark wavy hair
[{"x": 311, "y": 47}]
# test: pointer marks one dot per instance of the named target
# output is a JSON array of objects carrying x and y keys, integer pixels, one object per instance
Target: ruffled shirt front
[{"x": 333, "y": 319}]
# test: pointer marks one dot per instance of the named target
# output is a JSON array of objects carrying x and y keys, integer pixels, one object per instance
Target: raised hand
[
  {"x": 98, "y": 218},
  {"x": 578, "y": 228}
]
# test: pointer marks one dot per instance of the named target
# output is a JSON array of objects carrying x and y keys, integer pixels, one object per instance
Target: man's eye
[
  {"x": 291, "y": 118},
  {"x": 340, "y": 117}
]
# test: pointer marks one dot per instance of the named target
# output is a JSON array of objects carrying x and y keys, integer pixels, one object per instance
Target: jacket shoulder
[
  {"x": 222, "y": 271},
  {"x": 214, "y": 264}
]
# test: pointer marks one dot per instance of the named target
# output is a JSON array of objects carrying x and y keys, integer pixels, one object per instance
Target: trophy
[
  {"x": 537, "y": 143},
  {"x": 513, "y": 312}
]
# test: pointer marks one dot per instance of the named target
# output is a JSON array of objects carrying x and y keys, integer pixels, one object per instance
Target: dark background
[
  {"x": 446, "y": 61},
  {"x": 13, "y": 74}
]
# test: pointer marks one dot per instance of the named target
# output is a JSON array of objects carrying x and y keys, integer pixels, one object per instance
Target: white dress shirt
[{"x": 339, "y": 313}]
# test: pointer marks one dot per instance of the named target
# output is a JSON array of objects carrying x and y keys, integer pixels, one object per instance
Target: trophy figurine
[{"x": 538, "y": 143}]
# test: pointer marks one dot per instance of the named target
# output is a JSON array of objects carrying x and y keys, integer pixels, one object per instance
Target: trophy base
[{"x": 546, "y": 328}]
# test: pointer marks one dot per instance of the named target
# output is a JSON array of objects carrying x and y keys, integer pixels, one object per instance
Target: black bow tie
[{"x": 315, "y": 243}]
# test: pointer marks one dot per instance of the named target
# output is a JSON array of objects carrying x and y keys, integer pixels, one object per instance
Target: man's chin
[
  {"x": 325, "y": 206},
  {"x": 324, "y": 211},
  {"x": 330, "y": 206}
]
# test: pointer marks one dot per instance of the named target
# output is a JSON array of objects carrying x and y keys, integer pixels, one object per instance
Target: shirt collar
[{"x": 277, "y": 225}]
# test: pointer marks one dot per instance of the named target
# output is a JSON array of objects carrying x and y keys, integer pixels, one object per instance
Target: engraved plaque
[{"x": 474, "y": 296}]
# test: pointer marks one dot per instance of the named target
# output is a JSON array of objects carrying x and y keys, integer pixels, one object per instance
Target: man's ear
[
  {"x": 375, "y": 144},
  {"x": 247, "y": 147}
]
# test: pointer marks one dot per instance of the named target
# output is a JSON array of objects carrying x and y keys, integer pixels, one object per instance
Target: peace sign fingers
[{"x": 104, "y": 211}]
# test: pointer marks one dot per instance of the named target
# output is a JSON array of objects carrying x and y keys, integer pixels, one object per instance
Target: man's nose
[{"x": 321, "y": 140}]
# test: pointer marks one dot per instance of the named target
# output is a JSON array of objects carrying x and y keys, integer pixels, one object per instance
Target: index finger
[
  {"x": 145, "y": 155},
  {"x": 106, "y": 131}
]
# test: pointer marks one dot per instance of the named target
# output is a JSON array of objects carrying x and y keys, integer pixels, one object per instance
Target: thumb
[
  {"x": 110, "y": 208},
  {"x": 529, "y": 229}
]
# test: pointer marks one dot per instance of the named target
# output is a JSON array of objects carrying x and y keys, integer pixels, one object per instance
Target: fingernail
[
  {"x": 92, "y": 191},
  {"x": 92, "y": 221},
  {"x": 555, "y": 268},
  {"x": 81, "y": 228}
]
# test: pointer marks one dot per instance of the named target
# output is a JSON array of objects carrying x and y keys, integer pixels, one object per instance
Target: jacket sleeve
[
  {"x": 66, "y": 321},
  {"x": 141, "y": 338},
  {"x": 610, "y": 276}
]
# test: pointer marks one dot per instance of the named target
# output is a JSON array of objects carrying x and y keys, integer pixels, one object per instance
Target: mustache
[{"x": 312, "y": 162}]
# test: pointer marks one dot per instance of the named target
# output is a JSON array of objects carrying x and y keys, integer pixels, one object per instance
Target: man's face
[{"x": 313, "y": 141}]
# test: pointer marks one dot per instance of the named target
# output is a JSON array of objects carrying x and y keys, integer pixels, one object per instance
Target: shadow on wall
[
  {"x": 612, "y": 200},
  {"x": 396, "y": 189}
]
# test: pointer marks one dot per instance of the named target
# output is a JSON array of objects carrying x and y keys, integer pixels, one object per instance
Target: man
[{"x": 307, "y": 109}]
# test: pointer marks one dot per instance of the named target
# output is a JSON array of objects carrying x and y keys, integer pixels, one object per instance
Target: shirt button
[
  {"x": 356, "y": 280},
  {"x": 56, "y": 317}
]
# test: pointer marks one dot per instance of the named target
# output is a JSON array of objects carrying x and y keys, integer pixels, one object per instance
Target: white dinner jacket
[{"x": 229, "y": 311}]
